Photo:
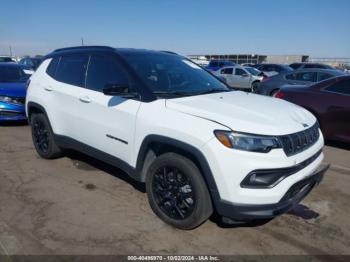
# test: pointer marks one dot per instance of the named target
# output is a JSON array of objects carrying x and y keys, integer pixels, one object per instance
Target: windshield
[
  {"x": 253, "y": 71},
  {"x": 172, "y": 74},
  {"x": 12, "y": 74}
]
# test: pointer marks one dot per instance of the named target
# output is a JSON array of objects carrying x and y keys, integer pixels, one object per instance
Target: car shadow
[
  {"x": 338, "y": 145},
  {"x": 87, "y": 163},
  {"x": 13, "y": 123},
  {"x": 299, "y": 210}
]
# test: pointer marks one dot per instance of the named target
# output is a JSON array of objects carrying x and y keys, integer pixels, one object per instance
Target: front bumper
[
  {"x": 11, "y": 112},
  {"x": 294, "y": 195}
]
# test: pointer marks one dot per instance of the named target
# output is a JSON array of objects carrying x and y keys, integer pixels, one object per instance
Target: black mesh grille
[{"x": 298, "y": 142}]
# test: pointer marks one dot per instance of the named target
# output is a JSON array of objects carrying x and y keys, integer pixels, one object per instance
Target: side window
[
  {"x": 71, "y": 69},
  {"x": 342, "y": 87},
  {"x": 104, "y": 70},
  {"x": 227, "y": 71},
  {"x": 51, "y": 69},
  {"x": 291, "y": 76},
  {"x": 213, "y": 64},
  {"x": 240, "y": 72},
  {"x": 323, "y": 76},
  {"x": 307, "y": 76}
]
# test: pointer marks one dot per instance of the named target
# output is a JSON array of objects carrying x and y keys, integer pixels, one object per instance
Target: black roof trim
[{"x": 84, "y": 48}]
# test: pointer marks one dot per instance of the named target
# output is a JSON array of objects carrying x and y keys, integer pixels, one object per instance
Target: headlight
[
  {"x": 247, "y": 142},
  {"x": 6, "y": 99}
]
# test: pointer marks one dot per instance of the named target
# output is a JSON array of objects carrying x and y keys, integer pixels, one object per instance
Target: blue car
[
  {"x": 12, "y": 92},
  {"x": 215, "y": 65}
]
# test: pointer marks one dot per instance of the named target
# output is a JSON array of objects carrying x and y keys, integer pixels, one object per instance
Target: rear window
[
  {"x": 341, "y": 87},
  {"x": 10, "y": 74},
  {"x": 71, "y": 69}
]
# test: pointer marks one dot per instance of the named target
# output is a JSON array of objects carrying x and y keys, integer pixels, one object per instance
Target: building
[{"x": 253, "y": 58}]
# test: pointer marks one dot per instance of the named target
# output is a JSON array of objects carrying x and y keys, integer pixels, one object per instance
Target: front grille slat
[{"x": 298, "y": 142}]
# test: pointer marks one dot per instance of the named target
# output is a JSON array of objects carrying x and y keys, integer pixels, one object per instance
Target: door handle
[
  {"x": 85, "y": 99},
  {"x": 48, "y": 88}
]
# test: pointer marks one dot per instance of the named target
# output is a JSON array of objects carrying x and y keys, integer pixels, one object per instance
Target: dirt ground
[{"x": 77, "y": 205}]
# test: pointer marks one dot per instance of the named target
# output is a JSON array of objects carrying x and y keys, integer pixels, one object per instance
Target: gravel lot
[{"x": 77, "y": 205}]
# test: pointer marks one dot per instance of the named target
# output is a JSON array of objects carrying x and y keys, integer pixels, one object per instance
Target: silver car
[{"x": 247, "y": 78}]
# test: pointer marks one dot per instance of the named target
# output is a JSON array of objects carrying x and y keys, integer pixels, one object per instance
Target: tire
[
  {"x": 177, "y": 192},
  {"x": 255, "y": 86},
  {"x": 43, "y": 138}
]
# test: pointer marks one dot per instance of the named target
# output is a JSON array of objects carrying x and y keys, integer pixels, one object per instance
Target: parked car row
[{"x": 31, "y": 63}]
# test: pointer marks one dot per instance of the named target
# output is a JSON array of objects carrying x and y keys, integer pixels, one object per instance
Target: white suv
[{"x": 199, "y": 146}]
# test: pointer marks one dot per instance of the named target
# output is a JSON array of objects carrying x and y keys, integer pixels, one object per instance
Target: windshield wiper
[{"x": 210, "y": 91}]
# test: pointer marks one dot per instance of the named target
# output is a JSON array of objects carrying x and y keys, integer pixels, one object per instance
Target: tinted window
[
  {"x": 104, "y": 70},
  {"x": 291, "y": 76},
  {"x": 213, "y": 64},
  {"x": 342, "y": 87},
  {"x": 240, "y": 72},
  {"x": 164, "y": 73},
  {"x": 51, "y": 69},
  {"x": 6, "y": 59},
  {"x": 71, "y": 69},
  {"x": 227, "y": 71},
  {"x": 307, "y": 76},
  {"x": 295, "y": 65},
  {"x": 12, "y": 74},
  {"x": 324, "y": 76}
]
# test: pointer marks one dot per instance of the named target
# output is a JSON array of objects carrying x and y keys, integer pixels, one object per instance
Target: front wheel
[{"x": 177, "y": 192}]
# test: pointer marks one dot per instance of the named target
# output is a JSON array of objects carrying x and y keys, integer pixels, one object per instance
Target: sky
[{"x": 319, "y": 28}]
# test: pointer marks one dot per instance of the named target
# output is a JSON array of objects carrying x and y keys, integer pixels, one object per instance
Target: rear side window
[
  {"x": 291, "y": 76},
  {"x": 342, "y": 87},
  {"x": 71, "y": 69},
  {"x": 51, "y": 69},
  {"x": 307, "y": 76},
  {"x": 240, "y": 72},
  {"x": 227, "y": 71},
  {"x": 104, "y": 70},
  {"x": 324, "y": 76}
]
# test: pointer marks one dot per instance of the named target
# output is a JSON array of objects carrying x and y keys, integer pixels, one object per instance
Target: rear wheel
[
  {"x": 177, "y": 192},
  {"x": 43, "y": 138}
]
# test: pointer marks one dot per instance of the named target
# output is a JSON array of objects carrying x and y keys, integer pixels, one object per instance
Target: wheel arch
[
  {"x": 33, "y": 107},
  {"x": 154, "y": 145}
]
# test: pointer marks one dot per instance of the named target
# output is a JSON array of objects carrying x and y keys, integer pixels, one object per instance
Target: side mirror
[{"x": 119, "y": 90}]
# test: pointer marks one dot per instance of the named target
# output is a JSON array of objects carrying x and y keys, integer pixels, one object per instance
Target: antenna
[
  {"x": 10, "y": 51},
  {"x": 82, "y": 41}
]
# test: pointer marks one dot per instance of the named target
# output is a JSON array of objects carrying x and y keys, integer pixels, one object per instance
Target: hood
[
  {"x": 18, "y": 89},
  {"x": 246, "y": 112}
]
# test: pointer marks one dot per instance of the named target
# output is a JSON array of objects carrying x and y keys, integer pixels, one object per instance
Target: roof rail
[
  {"x": 84, "y": 47},
  {"x": 169, "y": 52}
]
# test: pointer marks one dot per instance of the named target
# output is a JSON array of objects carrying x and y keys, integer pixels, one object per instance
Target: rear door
[
  {"x": 65, "y": 90},
  {"x": 107, "y": 123},
  {"x": 338, "y": 109}
]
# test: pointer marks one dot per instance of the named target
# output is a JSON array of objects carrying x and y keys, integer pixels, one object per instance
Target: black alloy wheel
[{"x": 173, "y": 192}]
